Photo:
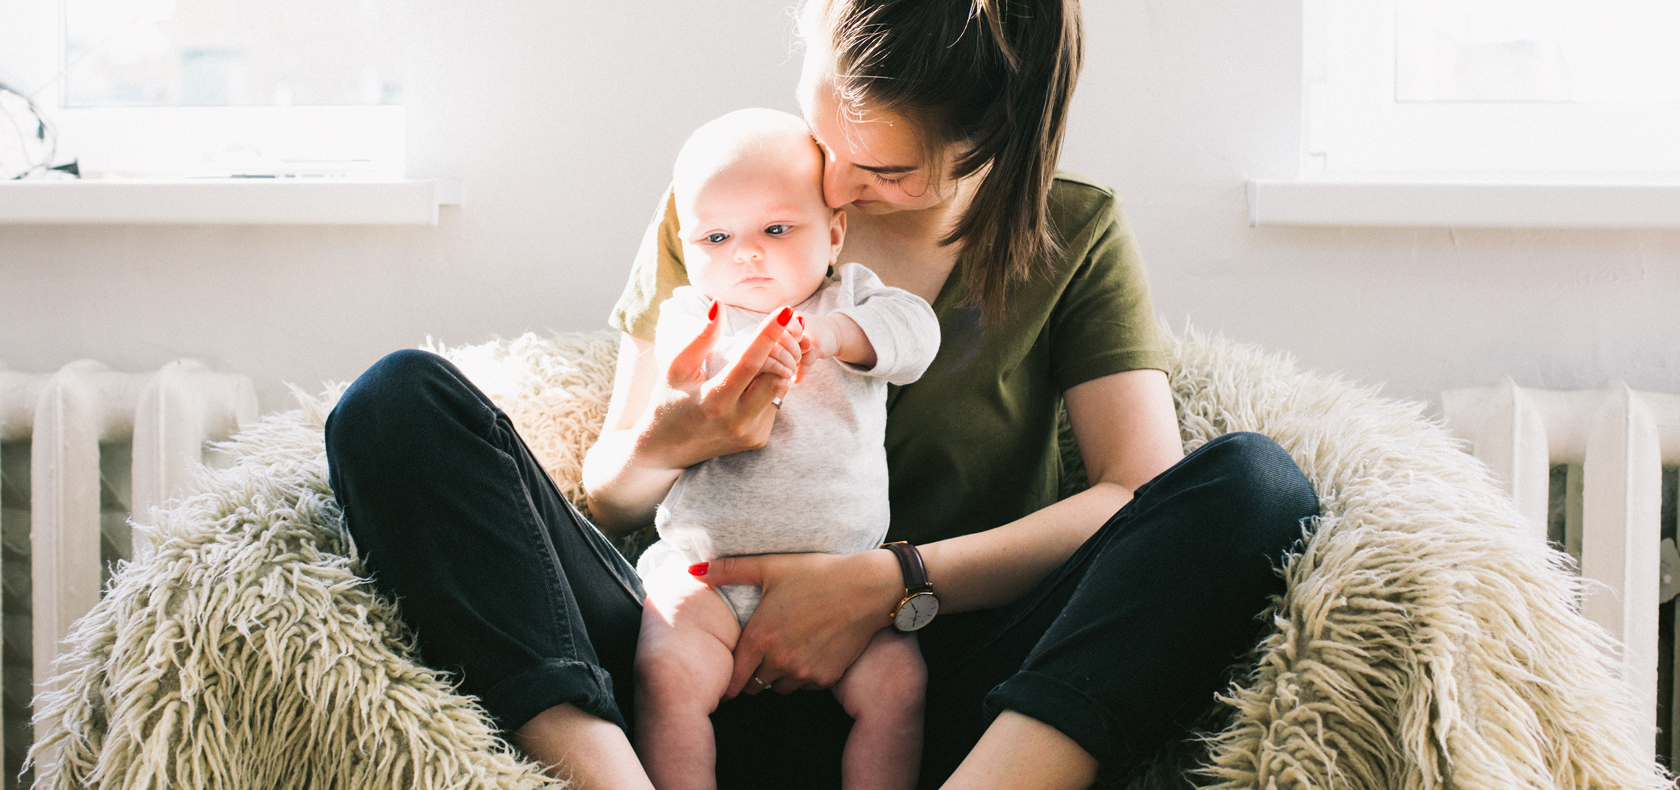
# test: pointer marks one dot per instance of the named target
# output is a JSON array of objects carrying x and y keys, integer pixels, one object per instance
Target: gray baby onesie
[{"x": 820, "y": 482}]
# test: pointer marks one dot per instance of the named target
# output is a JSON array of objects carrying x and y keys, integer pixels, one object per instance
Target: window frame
[
  {"x": 355, "y": 142},
  {"x": 1354, "y": 127}
]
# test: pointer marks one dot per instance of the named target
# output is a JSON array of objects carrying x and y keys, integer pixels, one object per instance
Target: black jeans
[{"x": 508, "y": 587}]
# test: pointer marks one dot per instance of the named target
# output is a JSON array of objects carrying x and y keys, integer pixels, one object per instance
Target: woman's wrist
[
  {"x": 628, "y": 472},
  {"x": 622, "y": 494},
  {"x": 662, "y": 445},
  {"x": 653, "y": 448},
  {"x": 885, "y": 583}
]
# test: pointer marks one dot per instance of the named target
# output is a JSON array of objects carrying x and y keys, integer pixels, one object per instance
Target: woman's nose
[{"x": 838, "y": 188}]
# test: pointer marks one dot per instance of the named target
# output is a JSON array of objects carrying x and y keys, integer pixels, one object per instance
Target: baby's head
[{"x": 755, "y": 230}]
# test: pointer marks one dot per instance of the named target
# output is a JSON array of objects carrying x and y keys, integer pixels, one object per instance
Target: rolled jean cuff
[
  {"x": 1071, "y": 711},
  {"x": 521, "y": 696}
]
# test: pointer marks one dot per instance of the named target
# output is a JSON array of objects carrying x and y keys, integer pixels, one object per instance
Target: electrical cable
[{"x": 33, "y": 143}]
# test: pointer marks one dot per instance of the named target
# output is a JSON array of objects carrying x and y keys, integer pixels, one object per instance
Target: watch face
[{"x": 916, "y": 612}]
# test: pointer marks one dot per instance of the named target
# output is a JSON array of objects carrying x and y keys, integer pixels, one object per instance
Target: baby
[{"x": 757, "y": 238}]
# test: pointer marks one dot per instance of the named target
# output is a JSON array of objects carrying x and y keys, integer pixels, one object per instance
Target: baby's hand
[
  {"x": 821, "y": 340},
  {"x": 835, "y": 336},
  {"x": 783, "y": 359}
]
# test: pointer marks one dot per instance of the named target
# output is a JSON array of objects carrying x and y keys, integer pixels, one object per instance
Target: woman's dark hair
[{"x": 993, "y": 77}]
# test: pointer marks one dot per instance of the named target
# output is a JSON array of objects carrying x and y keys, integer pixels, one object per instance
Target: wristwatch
[{"x": 920, "y": 604}]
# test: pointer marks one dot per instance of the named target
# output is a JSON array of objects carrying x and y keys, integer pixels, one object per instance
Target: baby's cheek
[{"x": 702, "y": 273}]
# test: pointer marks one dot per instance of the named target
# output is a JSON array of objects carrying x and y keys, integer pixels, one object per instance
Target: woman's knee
[
  {"x": 394, "y": 398},
  {"x": 1259, "y": 484}
]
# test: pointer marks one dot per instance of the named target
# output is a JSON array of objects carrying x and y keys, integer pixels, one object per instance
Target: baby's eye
[
  {"x": 716, "y": 237},
  {"x": 778, "y": 229}
]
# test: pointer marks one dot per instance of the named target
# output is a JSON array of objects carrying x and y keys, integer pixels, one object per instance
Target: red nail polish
[
  {"x": 698, "y": 569},
  {"x": 784, "y": 316},
  {"x": 711, "y": 315},
  {"x": 802, "y": 322}
]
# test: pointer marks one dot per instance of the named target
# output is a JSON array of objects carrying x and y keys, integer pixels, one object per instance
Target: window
[
  {"x": 1506, "y": 90},
  {"x": 281, "y": 88},
  {"x": 210, "y": 53}
]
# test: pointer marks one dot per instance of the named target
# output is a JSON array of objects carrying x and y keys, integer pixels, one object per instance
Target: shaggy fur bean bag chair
[{"x": 1423, "y": 642}]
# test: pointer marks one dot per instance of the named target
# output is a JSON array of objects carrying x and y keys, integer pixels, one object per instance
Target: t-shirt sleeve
[
  {"x": 900, "y": 325},
  {"x": 1105, "y": 322},
  {"x": 657, "y": 271}
]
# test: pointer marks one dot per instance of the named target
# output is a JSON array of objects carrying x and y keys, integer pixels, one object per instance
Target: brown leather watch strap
[{"x": 909, "y": 561}]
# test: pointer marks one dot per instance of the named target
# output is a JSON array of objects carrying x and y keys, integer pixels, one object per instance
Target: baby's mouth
[{"x": 755, "y": 280}]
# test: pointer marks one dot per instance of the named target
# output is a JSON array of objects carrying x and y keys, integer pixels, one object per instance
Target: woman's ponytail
[{"x": 994, "y": 77}]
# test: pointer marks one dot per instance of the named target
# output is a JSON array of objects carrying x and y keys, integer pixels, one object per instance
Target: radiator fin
[
  {"x": 1594, "y": 473},
  {"x": 82, "y": 449}
]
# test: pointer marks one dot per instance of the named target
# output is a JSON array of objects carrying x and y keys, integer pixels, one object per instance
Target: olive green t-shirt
[{"x": 974, "y": 443}]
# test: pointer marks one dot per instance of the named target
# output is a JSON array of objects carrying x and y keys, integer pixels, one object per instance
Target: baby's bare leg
[
  {"x": 883, "y": 692},
  {"x": 683, "y": 664}
]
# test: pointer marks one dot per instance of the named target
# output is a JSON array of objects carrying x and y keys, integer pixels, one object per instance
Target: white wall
[{"x": 562, "y": 118}]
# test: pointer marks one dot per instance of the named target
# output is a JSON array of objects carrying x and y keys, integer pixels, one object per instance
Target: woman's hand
[
  {"x": 663, "y": 421},
  {"x": 694, "y": 418},
  {"x": 818, "y": 613}
]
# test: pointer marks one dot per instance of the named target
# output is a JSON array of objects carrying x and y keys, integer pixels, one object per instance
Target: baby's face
[{"x": 756, "y": 233}]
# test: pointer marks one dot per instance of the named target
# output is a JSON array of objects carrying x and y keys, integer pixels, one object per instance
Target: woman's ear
[{"x": 836, "y": 235}]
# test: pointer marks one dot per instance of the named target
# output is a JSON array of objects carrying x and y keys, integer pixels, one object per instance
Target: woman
[{"x": 1075, "y": 636}]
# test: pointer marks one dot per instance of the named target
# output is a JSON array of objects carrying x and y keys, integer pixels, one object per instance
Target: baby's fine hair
[{"x": 755, "y": 133}]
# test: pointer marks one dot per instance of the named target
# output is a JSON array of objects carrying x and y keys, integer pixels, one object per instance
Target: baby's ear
[{"x": 836, "y": 235}]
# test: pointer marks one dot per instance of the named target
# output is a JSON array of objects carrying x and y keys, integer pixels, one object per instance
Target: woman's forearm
[
  {"x": 622, "y": 486},
  {"x": 998, "y": 566},
  {"x": 1128, "y": 434}
]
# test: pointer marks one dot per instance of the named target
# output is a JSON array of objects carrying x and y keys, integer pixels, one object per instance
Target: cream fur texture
[
  {"x": 246, "y": 652},
  {"x": 554, "y": 389},
  {"x": 1422, "y": 643}
]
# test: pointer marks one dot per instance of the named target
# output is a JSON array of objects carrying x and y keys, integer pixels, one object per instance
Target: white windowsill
[
  {"x": 227, "y": 201},
  {"x": 1463, "y": 204}
]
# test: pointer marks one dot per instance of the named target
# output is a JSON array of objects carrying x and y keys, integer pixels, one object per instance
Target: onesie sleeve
[
  {"x": 682, "y": 317},
  {"x": 900, "y": 325},
  {"x": 658, "y": 270}
]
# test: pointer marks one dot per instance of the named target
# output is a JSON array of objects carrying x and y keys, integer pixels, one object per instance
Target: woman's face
[{"x": 876, "y": 161}]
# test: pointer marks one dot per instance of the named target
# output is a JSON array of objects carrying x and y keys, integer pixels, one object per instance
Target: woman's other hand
[
  {"x": 817, "y": 614},
  {"x": 663, "y": 421}
]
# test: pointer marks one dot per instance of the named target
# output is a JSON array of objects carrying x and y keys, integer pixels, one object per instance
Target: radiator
[
  {"x": 66, "y": 417},
  {"x": 1614, "y": 443}
]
